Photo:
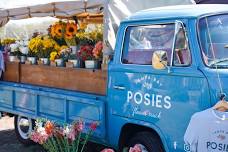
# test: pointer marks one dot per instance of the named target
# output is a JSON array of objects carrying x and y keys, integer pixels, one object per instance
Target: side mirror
[{"x": 159, "y": 60}]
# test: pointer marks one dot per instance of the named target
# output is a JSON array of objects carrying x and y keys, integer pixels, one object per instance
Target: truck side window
[
  {"x": 141, "y": 41},
  {"x": 182, "y": 56}
]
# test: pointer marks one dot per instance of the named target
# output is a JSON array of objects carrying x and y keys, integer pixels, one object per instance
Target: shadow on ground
[{"x": 9, "y": 143}]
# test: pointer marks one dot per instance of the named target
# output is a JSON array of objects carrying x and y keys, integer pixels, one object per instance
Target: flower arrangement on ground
[{"x": 55, "y": 138}]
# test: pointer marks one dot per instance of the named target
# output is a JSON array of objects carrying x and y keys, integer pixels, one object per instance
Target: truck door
[{"x": 162, "y": 99}]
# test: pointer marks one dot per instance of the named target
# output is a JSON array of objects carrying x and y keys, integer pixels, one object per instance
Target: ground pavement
[{"x": 8, "y": 140}]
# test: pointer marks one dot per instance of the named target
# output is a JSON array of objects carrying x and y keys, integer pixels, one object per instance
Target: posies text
[{"x": 154, "y": 100}]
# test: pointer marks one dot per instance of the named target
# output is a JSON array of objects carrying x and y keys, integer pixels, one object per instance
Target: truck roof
[{"x": 178, "y": 11}]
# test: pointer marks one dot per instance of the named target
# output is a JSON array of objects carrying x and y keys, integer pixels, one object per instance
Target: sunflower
[
  {"x": 71, "y": 28},
  {"x": 58, "y": 30},
  {"x": 68, "y": 36},
  {"x": 53, "y": 34}
]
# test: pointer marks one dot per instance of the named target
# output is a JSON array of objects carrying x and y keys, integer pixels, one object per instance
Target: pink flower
[
  {"x": 93, "y": 126},
  {"x": 72, "y": 135},
  {"x": 79, "y": 126},
  {"x": 35, "y": 137},
  {"x": 39, "y": 138},
  {"x": 136, "y": 148},
  {"x": 43, "y": 138},
  {"x": 107, "y": 150},
  {"x": 97, "y": 51}
]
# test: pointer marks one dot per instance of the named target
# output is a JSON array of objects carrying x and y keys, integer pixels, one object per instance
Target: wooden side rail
[{"x": 83, "y": 80}]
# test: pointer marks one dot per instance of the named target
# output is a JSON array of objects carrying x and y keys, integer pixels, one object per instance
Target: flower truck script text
[{"x": 154, "y": 100}]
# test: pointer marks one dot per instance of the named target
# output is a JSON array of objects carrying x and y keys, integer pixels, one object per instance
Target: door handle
[{"x": 119, "y": 87}]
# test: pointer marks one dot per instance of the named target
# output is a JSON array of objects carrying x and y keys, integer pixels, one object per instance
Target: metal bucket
[
  {"x": 91, "y": 64},
  {"x": 22, "y": 59},
  {"x": 45, "y": 61},
  {"x": 59, "y": 62},
  {"x": 32, "y": 60},
  {"x": 12, "y": 58}
]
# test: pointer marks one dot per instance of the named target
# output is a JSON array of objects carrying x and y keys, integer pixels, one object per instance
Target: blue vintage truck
[{"x": 168, "y": 63}]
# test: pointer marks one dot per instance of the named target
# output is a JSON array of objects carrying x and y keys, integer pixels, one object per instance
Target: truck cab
[{"x": 169, "y": 63}]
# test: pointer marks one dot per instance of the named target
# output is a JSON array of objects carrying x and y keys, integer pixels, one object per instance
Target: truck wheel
[
  {"x": 23, "y": 128},
  {"x": 147, "y": 141}
]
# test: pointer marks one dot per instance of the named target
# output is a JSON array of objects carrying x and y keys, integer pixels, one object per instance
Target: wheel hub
[{"x": 24, "y": 126}]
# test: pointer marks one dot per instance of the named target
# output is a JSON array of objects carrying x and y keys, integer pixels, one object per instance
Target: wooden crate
[
  {"x": 12, "y": 72},
  {"x": 84, "y": 80}
]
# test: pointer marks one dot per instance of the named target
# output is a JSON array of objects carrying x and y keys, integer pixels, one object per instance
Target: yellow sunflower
[
  {"x": 71, "y": 28},
  {"x": 68, "y": 36},
  {"x": 53, "y": 34},
  {"x": 58, "y": 30}
]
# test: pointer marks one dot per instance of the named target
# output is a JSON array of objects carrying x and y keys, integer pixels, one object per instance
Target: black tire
[
  {"x": 24, "y": 140},
  {"x": 150, "y": 141}
]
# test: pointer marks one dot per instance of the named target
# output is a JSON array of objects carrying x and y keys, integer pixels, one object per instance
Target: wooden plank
[
  {"x": 12, "y": 72},
  {"x": 84, "y": 80}
]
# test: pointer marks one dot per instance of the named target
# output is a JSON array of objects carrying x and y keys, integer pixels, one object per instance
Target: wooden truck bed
[{"x": 83, "y": 80}]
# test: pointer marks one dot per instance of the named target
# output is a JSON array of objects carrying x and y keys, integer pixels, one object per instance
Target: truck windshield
[{"x": 213, "y": 34}]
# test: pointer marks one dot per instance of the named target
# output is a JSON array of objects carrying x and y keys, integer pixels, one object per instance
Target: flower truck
[{"x": 168, "y": 63}]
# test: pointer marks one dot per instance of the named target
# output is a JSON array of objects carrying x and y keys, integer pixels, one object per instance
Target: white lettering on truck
[{"x": 154, "y": 100}]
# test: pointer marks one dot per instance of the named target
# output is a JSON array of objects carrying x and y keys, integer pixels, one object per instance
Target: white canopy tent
[
  {"x": 114, "y": 11},
  {"x": 55, "y": 8}
]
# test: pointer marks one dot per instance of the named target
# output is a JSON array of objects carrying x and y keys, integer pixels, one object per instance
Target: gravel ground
[{"x": 9, "y": 142}]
